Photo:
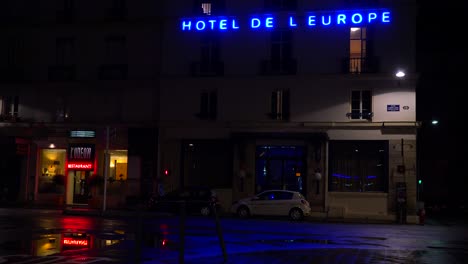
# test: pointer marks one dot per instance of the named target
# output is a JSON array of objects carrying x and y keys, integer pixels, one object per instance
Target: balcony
[
  {"x": 361, "y": 65},
  {"x": 360, "y": 115},
  {"x": 284, "y": 67},
  {"x": 207, "y": 68},
  {"x": 113, "y": 72},
  {"x": 62, "y": 73}
]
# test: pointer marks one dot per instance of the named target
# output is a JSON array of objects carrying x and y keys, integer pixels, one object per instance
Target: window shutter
[
  {"x": 213, "y": 105},
  {"x": 285, "y": 104}
]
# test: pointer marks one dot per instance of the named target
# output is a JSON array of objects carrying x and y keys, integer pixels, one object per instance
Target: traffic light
[
  {"x": 419, "y": 181},
  {"x": 166, "y": 172}
]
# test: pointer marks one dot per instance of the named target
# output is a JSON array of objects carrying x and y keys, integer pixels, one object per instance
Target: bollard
[{"x": 219, "y": 232}]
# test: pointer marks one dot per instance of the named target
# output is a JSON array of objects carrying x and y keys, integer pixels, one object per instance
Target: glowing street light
[
  {"x": 400, "y": 74},
  {"x": 435, "y": 122}
]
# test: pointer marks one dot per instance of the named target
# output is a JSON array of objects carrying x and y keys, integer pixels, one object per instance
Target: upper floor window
[
  {"x": 15, "y": 52},
  {"x": 279, "y": 105},
  {"x": 117, "y": 10},
  {"x": 281, "y": 61},
  {"x": 357, "y": 49},
  {"x": 281, "y": 5},
  {"x": 116, "y": 49},
  {"x": 65, "y": 51},
  {"x": 361, "y": 105},
  {"x": 9, "y": 107},
  {"x": 208, "y": 105},
  {"x": 210, "y": 61},
  {"x": 65, "y": 11}
]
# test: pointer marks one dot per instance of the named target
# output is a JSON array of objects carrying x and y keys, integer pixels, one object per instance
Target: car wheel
[
  {"x": 243, "y": 212},
  {"x": 296, "y": 214},
  {"x": 205, "y": 211}
]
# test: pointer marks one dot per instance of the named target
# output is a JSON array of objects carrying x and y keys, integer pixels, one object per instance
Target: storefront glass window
[
  {"x": 52, "y": 171},
  {"x": 118, "y": 165}
]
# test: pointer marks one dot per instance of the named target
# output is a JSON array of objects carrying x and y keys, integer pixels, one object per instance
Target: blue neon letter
[
  {"x": 255, "y": 23},
  {"x": 200, "y": 25},
  {"x": 356, "y": 21},
  {"x": 386, "y": 17},
  {"x": 234, "y": 25},
  {"x": 269, "y": 22},
  {"x": 186, "y": 25},
  {"x": 311, "y": 20},
  {"x": 371, "y": 17},
  {"x": 341, "y": 18},
  {"x": 326, "y": 23},
  {"x": 291, "y": 22},
  {"x": 223, "y": 24},
  {"x": 212, "y": 23}
]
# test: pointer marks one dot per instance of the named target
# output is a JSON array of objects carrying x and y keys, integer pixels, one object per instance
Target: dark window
[
  {"x": 358, "y": 166},
  {"x": 65, "y": 51},
  {"x": 281, "y": 45},
  {"x": 279, "y": 105},
  {"x": 210, "y": 63},
  {"x": 208, "y": 105},
  {"x": 65, "y": 11},
  {"x": 9, "y": 107},
  {"x": 361, "y": 104},
  {"x": 117, "y": 10}
]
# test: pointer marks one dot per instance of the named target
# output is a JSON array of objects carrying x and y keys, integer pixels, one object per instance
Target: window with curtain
[{"x": 358, "y": 166}]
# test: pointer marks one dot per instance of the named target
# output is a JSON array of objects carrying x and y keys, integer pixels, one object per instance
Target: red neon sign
[
  {"x": 75, "y": 242},
  {"x": 80, "y": 165}
]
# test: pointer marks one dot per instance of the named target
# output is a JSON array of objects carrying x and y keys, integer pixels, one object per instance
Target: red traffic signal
[{"x": 166, "y": 172}]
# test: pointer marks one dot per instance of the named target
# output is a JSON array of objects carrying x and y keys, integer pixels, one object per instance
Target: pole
[{"x": 106, "y": 168}]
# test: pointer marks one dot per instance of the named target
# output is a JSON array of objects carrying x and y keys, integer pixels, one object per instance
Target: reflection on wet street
[{"x": 29, "y": 237}]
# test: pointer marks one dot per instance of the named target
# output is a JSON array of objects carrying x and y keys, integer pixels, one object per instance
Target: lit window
[
  {"x": 357, "y": 49},
  {"x": 206, "y": 8}
]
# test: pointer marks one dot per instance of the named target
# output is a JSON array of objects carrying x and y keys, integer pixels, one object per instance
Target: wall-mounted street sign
[
  {"x": 350, "y": 18},
  {"x": 393, "y": 108}
]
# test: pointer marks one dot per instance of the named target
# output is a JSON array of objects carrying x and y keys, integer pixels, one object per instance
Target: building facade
[
  {"x": 238, "y": 96},
  {"x": 294, "y": 95},
  {"x": 78, "y": 91}
]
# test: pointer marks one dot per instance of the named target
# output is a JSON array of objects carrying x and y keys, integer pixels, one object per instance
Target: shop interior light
[{"x": 52, "y": 145}]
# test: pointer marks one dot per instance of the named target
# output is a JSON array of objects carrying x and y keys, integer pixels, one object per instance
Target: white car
[{"x": 273, "y": 203}]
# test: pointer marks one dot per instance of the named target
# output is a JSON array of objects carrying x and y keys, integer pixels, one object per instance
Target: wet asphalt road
[{"x": 140, "y": 239}]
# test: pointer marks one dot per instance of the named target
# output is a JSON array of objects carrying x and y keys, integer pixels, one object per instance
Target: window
[
  {"x": 52, "y": 171},
  {"x": 117, "y": 10},
  {"x": 116, "y": 49},
  {"x": 65, "y": 11},
  {"x": 15, "y": 52},
  {"x": 279, "y": 105},
  {"x": 65, "y": 51},
  {"x": 210, "y": 62},
  {"x": 281, "y": 61},
  {"x": 9, "y": 107},
  {"x": 357, "y": 49},
  {"x": 118, "y": 164},
  {"x": 208, "y": 105},
  {"x": 209, "y": 50},
  {"x": 361, "y": 105},
  {"x": 358, "y": 166},
  {"x": 281, "y": 45},
  {"x": 115, "y": 59}
]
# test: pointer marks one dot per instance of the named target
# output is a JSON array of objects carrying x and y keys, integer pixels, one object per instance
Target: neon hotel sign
[{"x": 353, "y": 18}]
